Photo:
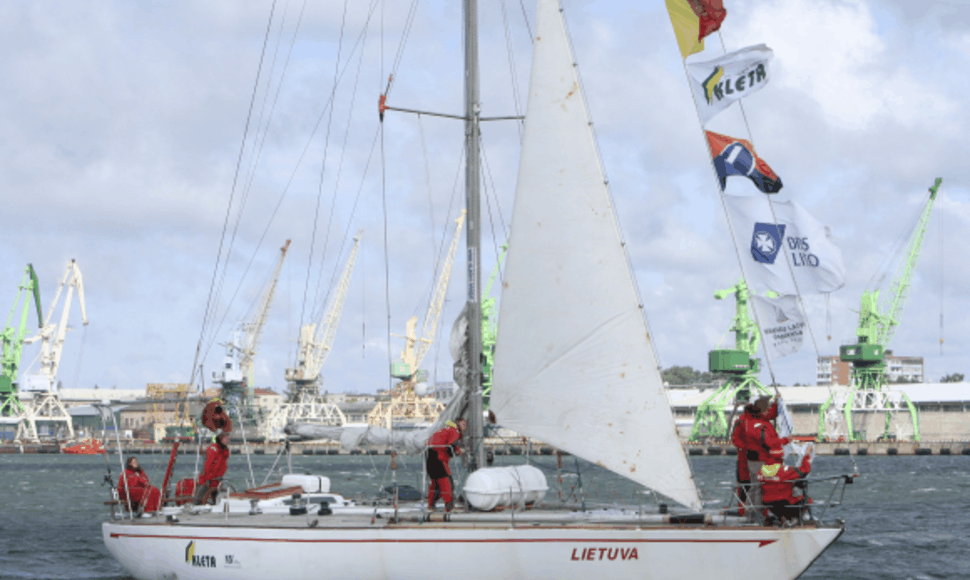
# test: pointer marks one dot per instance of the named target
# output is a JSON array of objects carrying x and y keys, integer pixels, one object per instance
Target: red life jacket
[{"x": 778, "y": 481}]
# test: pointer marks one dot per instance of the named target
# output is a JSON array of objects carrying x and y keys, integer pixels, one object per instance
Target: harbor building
[
  {"x": 943, "y": 409},
  {"x": 899, "y": 369},
  {"x": 82, "y": 397}
]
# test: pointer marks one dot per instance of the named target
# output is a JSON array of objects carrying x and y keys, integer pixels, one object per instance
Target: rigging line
[
  {"x": 387, "y": 267},
  {"x": 774, "y": 217},
  {"x": 440, "y": 252},
  {"x": 408, "y": 24},
  {"x": 209, "y": 302},
  {"x": 899, "y": 247},
  {"x": 340, "y": 165},
  {"x": 512, "y": 73},
  {"x": 232, "y": 299},
  {"x": 939, "y": 220},
  {"x": 491, "y": 220},
  {"x": 323, "y": 167},
  {"x": 727, "y": 218},
  {"x": 309, "y": 141},
  {"x": 261, "y": 130},
  {"x": 427, "y": 176},
  {"x": 525, "y": 17},
  {"x": 498, "y": 206},
  {"x": 80, "y": 356},
  {"x": 279, "y": 87}
]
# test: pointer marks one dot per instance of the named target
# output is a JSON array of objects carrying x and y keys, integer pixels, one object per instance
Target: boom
[
  {"x": 13, "y": 341},
  {"x": 255, "y": 328},
  {"x": 903, "y": 279},
  {"x": 416, "y": 348},
  {"x": 242, "y": 348},
  {"x": 316, "y": 342},
  {"x": 52, "y": 335}
]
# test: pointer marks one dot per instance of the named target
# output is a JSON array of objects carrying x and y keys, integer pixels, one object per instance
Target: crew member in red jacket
[
  {"x": 754, "y": 436},
  {"x": 138, "y": 490},
  {"x": 216, "y": 461},
  {"x": 778, "y": 486},
  {"x": 441, "y": 447}
]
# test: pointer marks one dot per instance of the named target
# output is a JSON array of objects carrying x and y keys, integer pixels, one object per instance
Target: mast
[{"x": 473, "y": 204}]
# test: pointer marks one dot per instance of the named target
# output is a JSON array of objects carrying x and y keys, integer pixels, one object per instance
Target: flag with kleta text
[
  {"x": 693, "y": 20},
  {"x": 718, "y": 83},
  {"x": 737, "y": 157},
  {"x": 783, "y": 248}
]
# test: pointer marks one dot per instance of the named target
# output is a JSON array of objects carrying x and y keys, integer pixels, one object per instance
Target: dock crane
[
  {"x": 316, "y": 342},
  {"x": 234, "y": 378},
  {"x": 406, "y": 404},
  {"x": 877, "y": 326},
  {"x": 13, "y": 342},
  {"x": 739, "y": 364},
  {"x": 46, "y": 404},
  {"x": 489, "y": 330}
]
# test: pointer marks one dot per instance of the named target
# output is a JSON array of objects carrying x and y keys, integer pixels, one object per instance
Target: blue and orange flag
[
  {"x": 737, "y": 157},
  {"x": 693, "y": 20}
]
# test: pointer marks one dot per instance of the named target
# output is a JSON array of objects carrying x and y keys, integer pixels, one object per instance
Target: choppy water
[{"x": 907, "y": 517}]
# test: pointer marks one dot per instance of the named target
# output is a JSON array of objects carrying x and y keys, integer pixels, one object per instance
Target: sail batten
[{"x": 574, "y": 366}]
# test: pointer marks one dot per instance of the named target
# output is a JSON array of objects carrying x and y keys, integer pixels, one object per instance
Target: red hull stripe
[{"x": 761, "y": 543}]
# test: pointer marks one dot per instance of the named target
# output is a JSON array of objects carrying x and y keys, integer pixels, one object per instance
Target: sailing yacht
[{"x": 575, "y": 367}]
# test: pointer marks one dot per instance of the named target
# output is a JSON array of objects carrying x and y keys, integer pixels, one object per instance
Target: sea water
[{"x": 906, "y": 517}]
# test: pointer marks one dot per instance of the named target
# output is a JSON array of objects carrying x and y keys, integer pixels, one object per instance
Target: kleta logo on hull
[{"x": 198, "y": 560}]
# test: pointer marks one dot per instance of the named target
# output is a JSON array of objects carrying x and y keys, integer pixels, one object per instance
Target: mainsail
[{"x": 574, "y": 366}]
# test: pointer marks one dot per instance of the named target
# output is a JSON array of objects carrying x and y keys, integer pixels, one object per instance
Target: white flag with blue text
[{"x": 783, "y": 248}]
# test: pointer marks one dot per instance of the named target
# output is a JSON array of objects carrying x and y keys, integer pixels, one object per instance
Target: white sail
[{"x": 574, "y": 366}]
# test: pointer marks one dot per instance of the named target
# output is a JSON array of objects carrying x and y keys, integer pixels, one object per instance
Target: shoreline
[{"x": 516, "y": 448}]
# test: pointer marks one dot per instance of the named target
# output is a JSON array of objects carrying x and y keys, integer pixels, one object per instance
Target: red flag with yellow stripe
[{"x": 693, "y": 20}]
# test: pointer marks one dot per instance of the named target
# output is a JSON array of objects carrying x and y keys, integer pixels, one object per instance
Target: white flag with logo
[
  {"x": 718, "y": 83},
  {"x": 779, "y": 240},
  {"x": 782, "y": 324}
]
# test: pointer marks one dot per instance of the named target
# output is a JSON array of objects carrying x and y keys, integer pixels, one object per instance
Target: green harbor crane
[
  {"x": 740, "y": 364},
  {"x": 13, "y": 343},
  {"x": 868, "y": 392},
  {"x": 489, "y": 330}
]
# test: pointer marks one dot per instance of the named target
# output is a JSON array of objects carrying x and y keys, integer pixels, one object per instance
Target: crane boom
[
  {"x": 13, "y": 341},
  {"x": 316, "y": 342},
  {"x": 901, "y": 283},
  {"x": 52, "y": 335},
  {"x": 438, "y": 299},
  {"x": 255, "y": 328}
]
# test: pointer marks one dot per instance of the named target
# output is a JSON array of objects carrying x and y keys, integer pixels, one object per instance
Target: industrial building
[{"x": 943, "y": 409}]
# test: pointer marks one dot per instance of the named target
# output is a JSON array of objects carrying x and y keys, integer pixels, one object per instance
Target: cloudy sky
[{"x": 152, "y": 141}]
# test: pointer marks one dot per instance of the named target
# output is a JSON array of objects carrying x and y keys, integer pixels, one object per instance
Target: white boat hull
[{"x": 160, "y": 551}]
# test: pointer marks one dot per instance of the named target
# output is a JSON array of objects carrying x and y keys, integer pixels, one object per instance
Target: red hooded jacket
[
  {"x": 445, "y": 443},
  {"x": 216, "y": 462}
]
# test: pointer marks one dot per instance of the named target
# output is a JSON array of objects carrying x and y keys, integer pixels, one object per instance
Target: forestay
[{"x": 574, "y": 366}]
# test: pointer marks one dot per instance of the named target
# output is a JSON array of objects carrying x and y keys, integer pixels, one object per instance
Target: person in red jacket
[
  {"x": 778, "y": 486},
  {"x": 135, "y": 490},
  {"x": 216, "y": 462},
  {"x": 442, "y": 446},
  {"x": 754, "y": 436}
]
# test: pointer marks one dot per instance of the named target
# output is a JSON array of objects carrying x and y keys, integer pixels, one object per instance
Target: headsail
[{"x": 573, "y": 365}]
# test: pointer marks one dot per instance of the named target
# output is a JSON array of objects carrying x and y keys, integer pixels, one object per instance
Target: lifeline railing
[{"x": 839, "y": 483}]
